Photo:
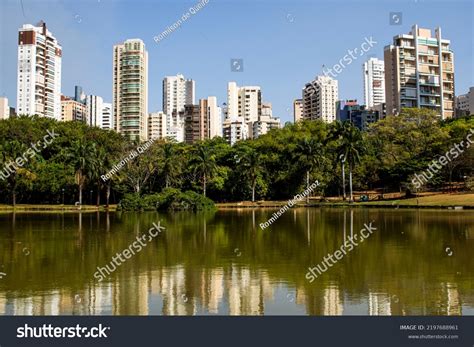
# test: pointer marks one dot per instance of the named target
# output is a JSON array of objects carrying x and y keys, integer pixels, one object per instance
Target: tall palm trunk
[
  {"x": 204, "y": 183},
  {"x": 98, "y": 193},
  {"x": 80, "y": 194},
  {"x": 344, "y": 197},
  {"x": 350, "y": 183},
  {"x": 254, "y": 183}
]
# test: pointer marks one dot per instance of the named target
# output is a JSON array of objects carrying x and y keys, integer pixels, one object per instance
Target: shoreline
[{"x": 458, "y": 201}]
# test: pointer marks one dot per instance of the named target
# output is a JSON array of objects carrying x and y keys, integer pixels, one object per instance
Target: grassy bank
[
  {"x": 444, "y": 201},
  {"x": 56, "y": 208},
  {"x": 434, "y": 201}
]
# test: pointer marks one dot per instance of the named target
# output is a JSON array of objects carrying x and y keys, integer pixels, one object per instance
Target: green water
[{"x": 415, "y": 263}]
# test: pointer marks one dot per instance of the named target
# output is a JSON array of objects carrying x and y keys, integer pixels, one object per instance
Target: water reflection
[{"x": 193, "y": 269}]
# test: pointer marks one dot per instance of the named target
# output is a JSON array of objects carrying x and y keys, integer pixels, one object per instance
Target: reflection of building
[
  {"x": 453, "y": 304},
  {"x": 379, "y": 304},
  {"x": 332, "y": 304}
]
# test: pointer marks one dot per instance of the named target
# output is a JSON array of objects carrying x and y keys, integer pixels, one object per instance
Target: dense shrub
[{"x": 168, "y": 199}]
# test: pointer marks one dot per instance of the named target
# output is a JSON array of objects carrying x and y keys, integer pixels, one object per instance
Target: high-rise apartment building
[
  {"x": 245, "y": 102},
  {"x": 319, "y": 99},
  {"x": 235, "y": 129},
  {"x": 39, "y": 72},
  {"x": 94, "y": 105},
  {"x": 4, "y": 108},
  {"x": 374, "y": 82},
  {"x": 177, "y": 92},
  {"x": 157, "y": 125},
  {"x": 99, "y": 113},
  {"x": 130, "y": 89},
  {"x": 107, "y": 116},
  {"x": 465, "y": 103},
  {"x": 72, "y": 110},
  {"x": 297, "y": 110},
  {"x": 266, "y": 121},
  {"x": 419, "y": 72},
  {"x": 202, "y": 121}
]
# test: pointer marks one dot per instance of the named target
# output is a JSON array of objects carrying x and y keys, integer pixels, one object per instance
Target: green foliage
[
  {"x": 275, "y": 166},
  {"x": 168, "y": 199}
]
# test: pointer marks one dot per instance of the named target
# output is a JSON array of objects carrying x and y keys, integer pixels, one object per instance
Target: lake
[{"x": 416, "y": 262}]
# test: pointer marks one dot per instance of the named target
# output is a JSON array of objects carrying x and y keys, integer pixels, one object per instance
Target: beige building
[
  {"x": 157, "y": 125},
  {"x": 319, "y": 99},
  {"x": 202, "y": 121},
  {"x": 130, "y": 89},
  {"x": 297, "y": 110},
  {"x": 465, "y": 103},
  {"x": 419, "y": 72},
  {"x": 265, "y": 122},
  {"x": 72, "y": 110},
  {"x": 4, "y": 108}
]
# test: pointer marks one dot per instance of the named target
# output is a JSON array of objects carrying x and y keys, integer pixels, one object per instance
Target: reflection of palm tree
[
  {"x": 308, "y": 153},
  {"x": 204, "y": 163}
]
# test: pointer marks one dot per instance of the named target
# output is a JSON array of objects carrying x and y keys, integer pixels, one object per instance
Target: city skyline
[{"x": 286, "y": 21}]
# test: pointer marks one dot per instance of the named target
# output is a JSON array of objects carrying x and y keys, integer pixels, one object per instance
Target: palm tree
[
  {"x": 203, "y": 162},
  {"x": 253, "y": 168},
  {"x": 337, "y": 132},
  {"x": 171, "y": 166},
  {"x": 81, "y": 157},
  {"x": 99, "y": 165},
  {"x": 351, "y": 148},
  {"x": 308, "y": 153}
]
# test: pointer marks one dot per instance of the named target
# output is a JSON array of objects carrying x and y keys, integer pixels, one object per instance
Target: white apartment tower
[
  {"x": 99, "y": 113},
  {"x": 94, "y": 105},
  {"x": 130, "y": 89},
  {"x": 214, "y": 114},
  {"x": 245, "y": 102},
  {"x": 374, "y": 82},
  {"x": 177, "y": 92},
  {"x": 39, "y": 72},
  {"x": 319, "y": 99}
]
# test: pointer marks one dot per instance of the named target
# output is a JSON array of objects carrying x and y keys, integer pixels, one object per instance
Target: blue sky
[{"x": 283, "y": 43}]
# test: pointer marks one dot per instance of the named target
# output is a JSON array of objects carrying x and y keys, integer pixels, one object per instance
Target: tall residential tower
[
  {"x": 39, "y": 72},
  {"x": 419, "y": 72},
  {"x": 130, "y": 89},
  {"x": 374, "y": 82}
]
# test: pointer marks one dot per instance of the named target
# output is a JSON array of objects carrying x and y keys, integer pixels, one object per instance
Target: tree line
[{"x": 274, "y": 166}]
